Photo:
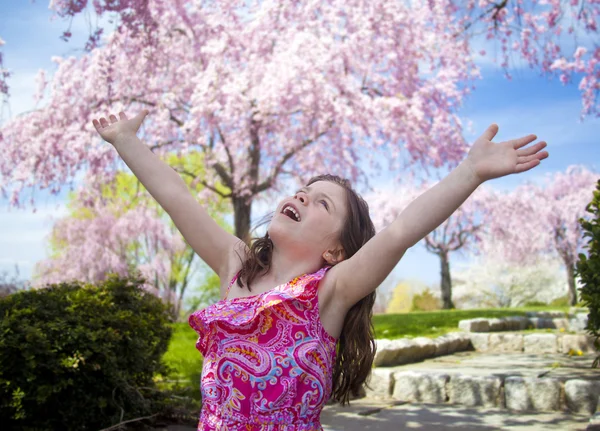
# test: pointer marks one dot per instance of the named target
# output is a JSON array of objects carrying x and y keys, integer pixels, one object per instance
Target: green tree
[{"x": 588, "y": 269}]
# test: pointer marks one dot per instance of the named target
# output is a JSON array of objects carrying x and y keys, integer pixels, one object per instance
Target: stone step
[
  {"x": 534, "y": 320},
  {"x": 519, "y": 382},
  {"x": 404, "y": 350}
]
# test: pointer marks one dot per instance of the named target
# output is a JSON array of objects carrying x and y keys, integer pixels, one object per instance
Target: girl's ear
[{"x": 333, "y": 257}]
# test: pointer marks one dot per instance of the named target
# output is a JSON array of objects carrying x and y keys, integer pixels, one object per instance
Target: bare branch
[
  {"x": 227, "y": 179},
  {"x": 229, "y": 158},
  {"x": 194, "y": 177},
  {"x": 279, "y": 167},
  {"x": 494, "y": 7}
]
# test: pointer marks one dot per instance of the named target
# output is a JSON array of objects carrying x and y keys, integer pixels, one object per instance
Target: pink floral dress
[{"x": 268, "y": 361}]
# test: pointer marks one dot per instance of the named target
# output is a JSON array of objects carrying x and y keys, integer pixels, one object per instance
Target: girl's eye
[{"x": 325, "y": 204}]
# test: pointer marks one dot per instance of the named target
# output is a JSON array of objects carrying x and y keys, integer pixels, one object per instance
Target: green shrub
[
  {"x": 80, "y": 357},
  {"x": 425, "y": 301},
  {"x": 588, "y": 269}
]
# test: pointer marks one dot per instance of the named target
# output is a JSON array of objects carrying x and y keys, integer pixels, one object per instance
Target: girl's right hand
[{"x": 118, "y": 128}]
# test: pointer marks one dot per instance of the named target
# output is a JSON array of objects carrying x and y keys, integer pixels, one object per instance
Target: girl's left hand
[{"x": 489, "y": 160}]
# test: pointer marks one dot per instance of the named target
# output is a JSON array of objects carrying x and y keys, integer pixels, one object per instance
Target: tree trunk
[
  {"x": 447, "y": 303},
  {"x": 242, "y": 208},
  {"x": 569, "y": 261},
  {"x": 184, "y": 278},
  {"x": 572, "y": 286}
]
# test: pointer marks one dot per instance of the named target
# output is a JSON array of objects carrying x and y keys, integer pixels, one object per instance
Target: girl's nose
[{"x": 301, "y": 198}]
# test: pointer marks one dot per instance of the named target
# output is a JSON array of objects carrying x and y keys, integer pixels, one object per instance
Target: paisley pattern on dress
[{"x": 268, "y": 361}]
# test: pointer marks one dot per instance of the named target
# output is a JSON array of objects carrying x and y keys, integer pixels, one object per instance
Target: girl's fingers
[
  {"x": 533, "y": 157},
  {"x": 491, "y": 132},
  {"x": 96, "y": 124},
  {"x": 526, "y": 159},
  {"x": 122, "y": 115},
  {"x": 103, "y": 122},
  {"x": 522, "y": 167},
  {"x": 521, "y": 142},
  {"x": 531, "y": 150},
  {"x": 112, "y": 118}
]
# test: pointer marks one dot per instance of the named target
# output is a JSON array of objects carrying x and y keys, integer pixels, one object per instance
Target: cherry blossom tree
[
  {"x": 556, "y": 37},
  {"x": 536, "y": 220},
  {"x": 459, "y": 233},
  {"x": 302, "y": 88}
]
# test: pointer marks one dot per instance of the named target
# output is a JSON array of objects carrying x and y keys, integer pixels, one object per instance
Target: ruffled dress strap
[{"x": 233, "y": 280}]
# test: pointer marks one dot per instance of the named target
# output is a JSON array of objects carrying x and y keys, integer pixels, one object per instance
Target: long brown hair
[{"x": 356, "y": 344}]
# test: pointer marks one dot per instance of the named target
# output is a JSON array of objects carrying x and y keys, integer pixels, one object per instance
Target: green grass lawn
[
  {"x": 435, "y": 323},
  {"x": 186, "y": 361}
]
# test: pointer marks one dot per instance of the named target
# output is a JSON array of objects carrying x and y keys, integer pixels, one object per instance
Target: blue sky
[{"x": 527, "y": 104}]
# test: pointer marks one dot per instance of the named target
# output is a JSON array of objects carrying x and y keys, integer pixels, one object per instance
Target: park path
[{"x": 371, "y": 415}]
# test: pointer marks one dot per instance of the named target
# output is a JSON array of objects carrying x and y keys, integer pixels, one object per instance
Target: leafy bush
[
  {"x": 425, "y": 301},
  {"x": 588, "y": 269},
  {"x": 80, "y": 357}
]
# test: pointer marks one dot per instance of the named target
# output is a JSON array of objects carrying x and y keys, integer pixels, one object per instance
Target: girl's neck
[{"x": 285, "y": 267}]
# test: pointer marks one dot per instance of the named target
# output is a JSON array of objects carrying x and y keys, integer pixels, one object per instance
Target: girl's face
[{"x": 309, "y": 223}]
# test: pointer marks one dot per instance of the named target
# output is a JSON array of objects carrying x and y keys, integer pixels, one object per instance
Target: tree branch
[
  {"x": 227, "y": 180},
  {"x": 194, "y": 177},
  {"x": 147, "y": 102},
  {"x": 229, "y": 158},
  {"x": 495, "y": 6},
  {"x": 279, "y": 167}
]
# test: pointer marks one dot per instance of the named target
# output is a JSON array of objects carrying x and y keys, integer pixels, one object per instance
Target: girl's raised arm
[
  {"x": 212, "y": 243},
  {"x": 355, "y": 278}
]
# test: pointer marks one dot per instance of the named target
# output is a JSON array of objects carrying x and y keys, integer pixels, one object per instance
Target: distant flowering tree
[
  {"x": 121, "y": 229},
  {"x": 97, "y": 240},
  {"x": 489, "y": 281},
  {"x": 459, "y": 233},
  {"x": 536, "y": 220}
]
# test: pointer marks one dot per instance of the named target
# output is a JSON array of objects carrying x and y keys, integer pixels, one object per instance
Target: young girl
[{"x": 296, "y": 328}]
